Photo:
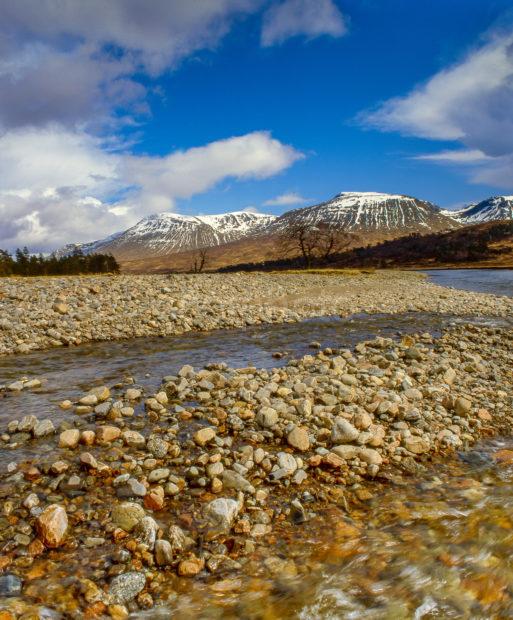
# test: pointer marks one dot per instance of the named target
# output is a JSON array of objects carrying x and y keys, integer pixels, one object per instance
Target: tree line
[{"x": 23, "y": 263}]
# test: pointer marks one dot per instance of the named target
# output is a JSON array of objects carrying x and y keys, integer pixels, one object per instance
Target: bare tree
[
  {"x": 315, "y": 243},
  {"x": 200, "y": 260}
]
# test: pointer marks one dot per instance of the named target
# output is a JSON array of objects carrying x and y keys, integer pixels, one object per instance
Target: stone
[
  {"x": 87, "y": 459},
  {"x": 60, "y": 308},
  {"x": 126, "y": 587},
  {"x": 415, "y": 444},
  {"x": 69, "y": 438},
  {"x": 191, "y": 567},
  {"x": 298, "y": 438},
  {"x": 267, "y": 417},
  {"x": 177, "y": 539},
  {"x": 106, "y": 434},
  {"x": 204, "y": 436},
  {"x": 52, "y": 525},
  {"x": 43, "y": 428},
  {"x": 157, "y": 447},
  {"x": 127, "y": 515},
  {"x": 155, "y": 498},
  {"x": 102, "y": 393},
  {"x": 10, "y": 585},
  {"x": 449, "y": 376},
  {"x": 462, "y": 406},
  {"x": 287, "y": 461},
  {"x": 163, "y": 553},
  {"x": 346, "y": 452},
  {"x": 233, "y": 480},
  {"x": 343, "y": 431},
  {"x": 133, "y": 439},
  {"x": 370, "y": 456},
  {"x": 133, "y": 394},
  {"x": 145, "y": 531},
  {"x": 158, "y": 474},
  {"x": 221, "y": 513}
]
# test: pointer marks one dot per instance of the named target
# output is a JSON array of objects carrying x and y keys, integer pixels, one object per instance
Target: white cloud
[
  {"x": 56, "y": 183},
  {"x": 310, "y": 18},
  {"x": 470, "y": 102},
  {"x": 72, "y": 62},
  {"x": 461, "y": 156},
  {"x": 283, "y": 200}
]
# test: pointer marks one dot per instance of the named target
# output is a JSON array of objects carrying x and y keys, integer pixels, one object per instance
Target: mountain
[
  {"x": 371, "y": 213},
  {"x": 171, "y": 233},
  {"x": 494, "y": 208}
]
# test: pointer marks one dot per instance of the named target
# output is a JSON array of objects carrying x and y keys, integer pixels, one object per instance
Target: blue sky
[{"x": 224, "y": 105}]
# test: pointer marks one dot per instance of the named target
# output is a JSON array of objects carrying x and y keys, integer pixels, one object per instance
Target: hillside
[{"x": 481, "y": 245}]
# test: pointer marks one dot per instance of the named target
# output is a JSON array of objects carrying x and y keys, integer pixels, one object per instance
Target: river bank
[
  {"x": 212, "y": 485},
  {"x": 41, "y": 313}
]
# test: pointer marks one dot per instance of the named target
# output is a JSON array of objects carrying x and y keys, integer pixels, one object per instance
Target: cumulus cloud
[
  {"x": 310, "y": 18},
  {"x": 283, "y": 200},
  {"x": 57, "y": 185},
  {"x": 470, "y": 102}
]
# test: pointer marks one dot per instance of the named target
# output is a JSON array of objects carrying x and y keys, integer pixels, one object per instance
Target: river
[{"x": 437, "y": 545}]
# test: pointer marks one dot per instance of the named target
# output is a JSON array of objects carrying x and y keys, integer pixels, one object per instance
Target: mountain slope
[
  {"x": 370, "y": 213},
  {"x": 491, "y": 209},
  {"x": 170, "y": 233}
]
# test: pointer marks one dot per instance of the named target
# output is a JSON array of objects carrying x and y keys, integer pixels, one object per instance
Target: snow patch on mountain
[{"x": 491, "y": 209}]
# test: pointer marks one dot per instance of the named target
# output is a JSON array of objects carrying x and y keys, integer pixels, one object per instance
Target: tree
[
  {"x": 200, "y": 259},
  {"x": 314, "y": 243}
]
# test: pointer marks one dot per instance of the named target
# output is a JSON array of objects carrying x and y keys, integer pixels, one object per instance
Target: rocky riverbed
[
  {"x": 210, "y": 485},
  {"x": 40, "y": 313}
]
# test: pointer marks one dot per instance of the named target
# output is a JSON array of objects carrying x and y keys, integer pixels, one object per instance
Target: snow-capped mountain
[
  {"x": 169, "y": 233},
  {"x": 372, "y": 213},
  {"x": 494, "y": 208}
]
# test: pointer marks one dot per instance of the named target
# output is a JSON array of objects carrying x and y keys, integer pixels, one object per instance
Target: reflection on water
[{"x": 494, "y": 281}]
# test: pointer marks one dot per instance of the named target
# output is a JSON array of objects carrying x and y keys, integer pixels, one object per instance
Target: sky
[{"x": 111, "y": 111}]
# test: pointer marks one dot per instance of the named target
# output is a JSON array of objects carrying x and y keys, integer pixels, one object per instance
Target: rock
[
  {"x": 449, "y": 376},
  {"x": 101, "y": 393},
  {"x": 221, "y": 513},
  {"x": 157, "y": 447},
  {"x": 343, "y": 431},
  {"x": 233, "y": 480},
  {"x": 370, "y": 456},
  {"x": 156, "y": 475},
  {"x": 145, "y": 532},
  {"x": 126, "y": 587},
  {"x": 462, "y": 406},
  {"x": 267, "y": 417},
  {"x": 298, "y": 438},
  {"x": 191, "y": 567},
  {"x": 287, "y": 461},
  {"x": 69, "y": 438},
  {"x": 87, "y": 459},
  {"x": 60, "y": 308},
  {"x": 10, "y": 585},
  {"x": 346, "y": 452},
  {"x": 154, "y": 499},
  {"x": 43, "y": 428},
  {"x": 133, "y": 394},
  {"x": 133, "y": 439},
  {"x": 177, "y": 539},
  {"x": 127, "y": 515},
  {"x": 52, "y": 525},
  {"x": 204, "y": 436},
  {"x": 163, "y": 553},
  {"x": 415, "y": 444},
  {"x": 106, "y": 434}
]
